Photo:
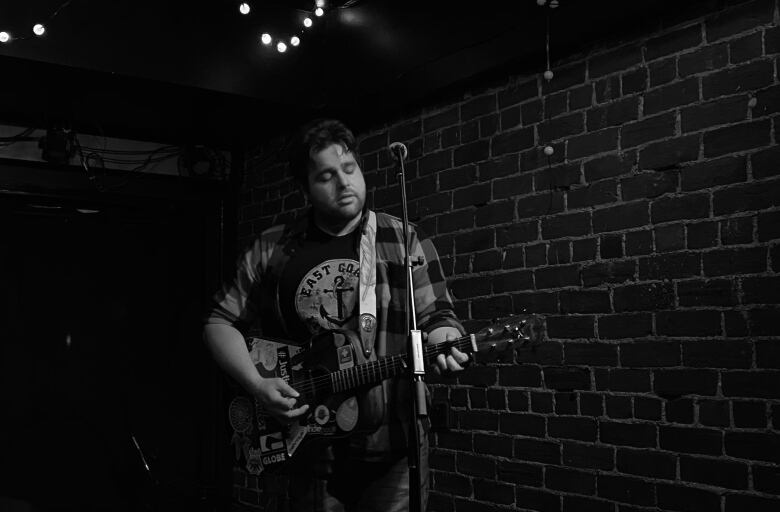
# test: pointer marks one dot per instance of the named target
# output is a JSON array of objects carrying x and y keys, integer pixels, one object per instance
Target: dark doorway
[{"x": 101, "y": 360}]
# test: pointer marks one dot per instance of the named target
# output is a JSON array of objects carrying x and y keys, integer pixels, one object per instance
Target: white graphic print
[{"x": 327, "y": 296}]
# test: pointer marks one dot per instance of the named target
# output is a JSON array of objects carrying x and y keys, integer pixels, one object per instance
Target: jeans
[{"x": 358, "y": 486}]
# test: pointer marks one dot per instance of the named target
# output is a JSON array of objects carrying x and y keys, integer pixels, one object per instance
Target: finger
[
  {"x": 440, "y": 363},
  {"x": 453, "y": 365},
  {"x": 298, "y": 411},
  {"x": 286, "y": 390},
  {"x": 459, "y": 356}
]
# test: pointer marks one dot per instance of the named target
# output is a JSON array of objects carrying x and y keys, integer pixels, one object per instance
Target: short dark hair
[{"x": 314, "y": 137}]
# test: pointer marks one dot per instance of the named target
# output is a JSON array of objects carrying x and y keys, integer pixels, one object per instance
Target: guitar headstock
[{"x": 506, "y": 334}]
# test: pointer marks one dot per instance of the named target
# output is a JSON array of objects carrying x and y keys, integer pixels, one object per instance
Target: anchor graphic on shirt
[{"x": 339, "y": 292}]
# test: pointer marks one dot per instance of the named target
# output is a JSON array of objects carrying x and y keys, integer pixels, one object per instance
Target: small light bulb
[
  {"x": 549, "y": 150},
  {"x": 5, "y": 37},
  {"x": 244, "y": 8},
  {"x": 295, "y": 41},
  {"x": 307, "y": 22},
  {"x": 541, "y": 2},
  {"x": 266, "y": 38},
  {"x": 281, "y": 47},
  {"x": 548, "y": 75},
  {"x": 553, "y": 4},
  {"x": 39, "y": 29},
  {"x": 318, "y": 11},
  {"x": 320, "y": 3}
]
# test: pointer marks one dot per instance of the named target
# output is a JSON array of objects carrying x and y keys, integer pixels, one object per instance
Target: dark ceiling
[{"x": 182, "y": 71}]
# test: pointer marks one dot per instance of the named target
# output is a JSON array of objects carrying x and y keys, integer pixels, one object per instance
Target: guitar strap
[{"x": 367, "y": 287}]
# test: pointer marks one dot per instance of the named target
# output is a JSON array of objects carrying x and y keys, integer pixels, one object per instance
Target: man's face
[{"x": 337, "y": 190}]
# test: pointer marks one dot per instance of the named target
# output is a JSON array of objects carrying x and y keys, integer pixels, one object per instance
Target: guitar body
[{"x": 262, "y": 441}]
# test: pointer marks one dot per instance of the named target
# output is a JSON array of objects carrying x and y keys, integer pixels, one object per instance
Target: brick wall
[{"x": 649, "y": 240}]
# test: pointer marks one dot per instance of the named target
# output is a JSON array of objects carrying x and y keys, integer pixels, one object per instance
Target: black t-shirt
[{"x": 319, "y": 285}]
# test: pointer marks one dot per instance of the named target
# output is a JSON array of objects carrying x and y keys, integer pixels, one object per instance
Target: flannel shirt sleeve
[
  {"x": 233, "y": 304},
  {"x": 432, "y": 299}
]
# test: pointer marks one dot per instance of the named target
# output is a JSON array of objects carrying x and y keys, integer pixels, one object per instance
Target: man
[{"x": 306, "y": 278}]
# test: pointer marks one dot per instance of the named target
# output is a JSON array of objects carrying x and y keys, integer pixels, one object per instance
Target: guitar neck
[{"x": 374, "y": 372}]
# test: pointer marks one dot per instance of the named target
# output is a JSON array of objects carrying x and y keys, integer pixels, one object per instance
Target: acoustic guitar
[{"x": 331, "y": 374}]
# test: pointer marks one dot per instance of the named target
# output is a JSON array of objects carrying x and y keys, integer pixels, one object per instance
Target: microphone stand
[{"x": 414, "y": 350}]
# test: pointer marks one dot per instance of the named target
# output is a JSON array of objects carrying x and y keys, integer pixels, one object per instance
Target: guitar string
[{"x": 319, "y": 383}]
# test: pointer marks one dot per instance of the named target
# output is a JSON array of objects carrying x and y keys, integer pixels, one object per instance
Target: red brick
[
  {"x": 634, "y": 81},
  {"x": 560, "y": 177},
  {"x": 613, "y": 114},
  {"x": 626, "y": 490},
  {"x": 746, "y": 77},
  {"x": 735, "y": 261},
  {"x": 670, "y": 96},
  {"x": 648, "y": 185},
  {"x": 593, "y": 194},
  {"x": 685, "y": 382},
  {"x": 746, "y": 48},
  {"x": 470, "y": 153},
  {"x": 738, "y": 19},
  {"x": 643, "y": 297},
  {"x": 688, "y": 323},
  {"x": 741, "y": 502},
  {"x": 478, "y": 107},
  {"x": 691, "y": 440},
  {"x": 647, "y": 463},
  {"x": 615, "y": 60},
  {"x": 561, "y": 127},
  {"x": 673, "y": 42},
  {"x": 707, "y": 59},
  {"x": 622, "y": 216},
  {"x": 713, "y": 173},
  {"x": 565, "y": 77},
  {"x": 737, "y": 137},
  {"x": 752, "y": 384},
  {"x": 517, "y": 93},
  {"x": 570, "y": 326},
  {"x": 670, "y": 237},
  {"x": 766, "y": 163},
  {"x": 669, "y": 153},
  {"x": 592, "y": 143},
  {"x": 764, "y": 446},
  {"x": 512, "y": 141},
  {"x": 766, "y": 479},
  {"x": 648, "y": 129},
  {"x": 625, "y": 326},
  {"x": 689, "y": 206},
  {"x": 728, "y": 110}
]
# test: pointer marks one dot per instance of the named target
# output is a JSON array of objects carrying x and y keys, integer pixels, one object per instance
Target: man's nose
[{"x": 343, "y": 179}]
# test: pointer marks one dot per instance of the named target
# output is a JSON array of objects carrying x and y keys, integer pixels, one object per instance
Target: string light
[
  {"x": 295, "y": 39},
  {"x": 244, "y": 8},
  {"x": 39, "y": 29}
]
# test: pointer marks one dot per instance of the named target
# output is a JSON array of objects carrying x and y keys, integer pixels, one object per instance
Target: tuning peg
[{"x": 490, "y": 331}]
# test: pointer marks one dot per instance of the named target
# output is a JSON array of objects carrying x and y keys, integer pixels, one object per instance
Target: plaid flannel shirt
[{"x": 250, "y": 302}]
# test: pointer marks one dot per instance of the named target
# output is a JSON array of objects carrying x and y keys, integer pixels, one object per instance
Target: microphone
[{"x": 398, "y": 150}]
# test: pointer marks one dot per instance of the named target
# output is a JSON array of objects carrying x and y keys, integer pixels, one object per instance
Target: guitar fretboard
[{"x": 374, "y": 372}]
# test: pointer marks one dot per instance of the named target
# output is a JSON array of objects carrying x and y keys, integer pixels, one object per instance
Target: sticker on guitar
[{"x": 325, "y": 373}]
